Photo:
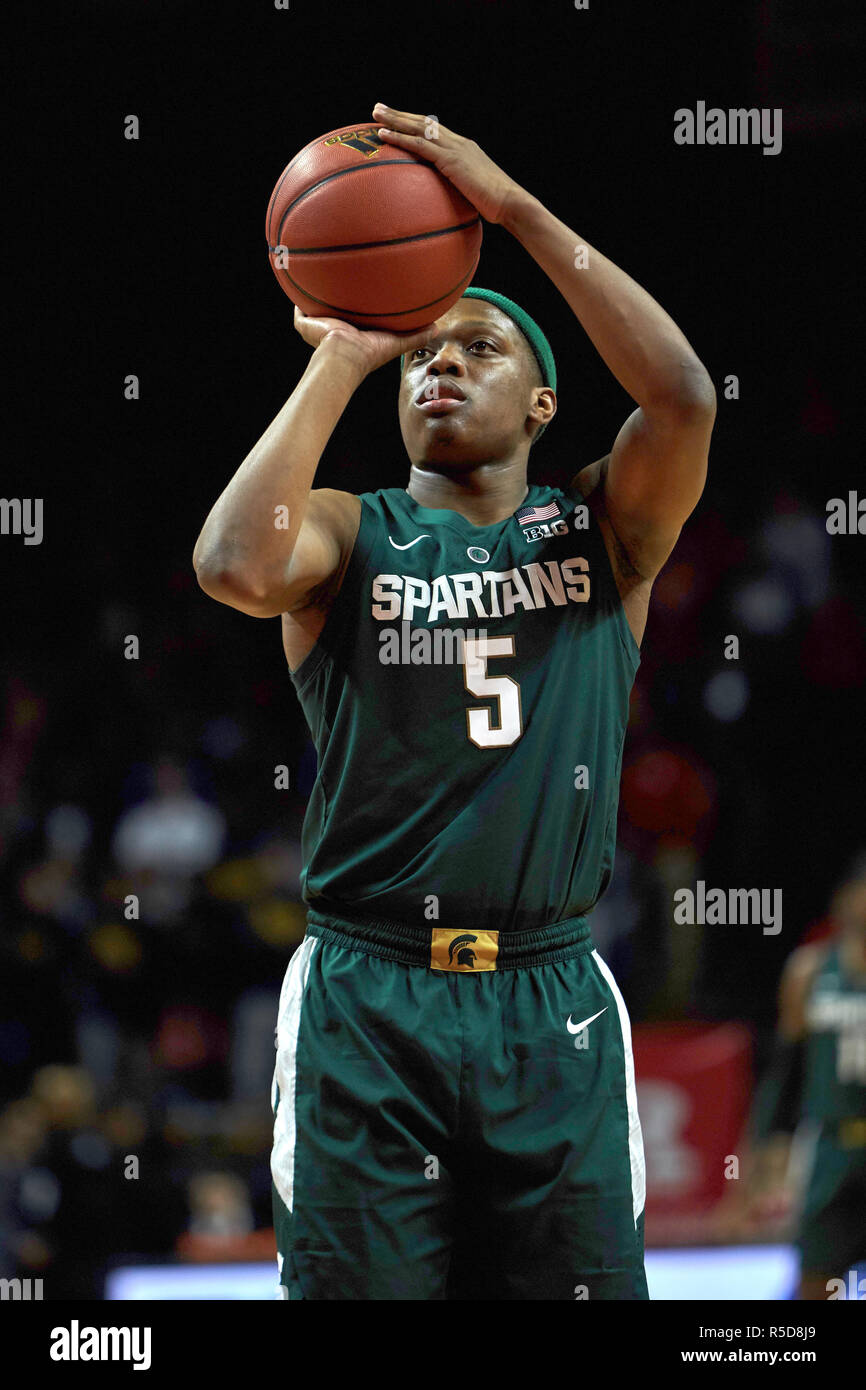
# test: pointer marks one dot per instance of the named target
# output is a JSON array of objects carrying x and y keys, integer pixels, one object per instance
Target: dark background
[{"x": 149, "y": 257}]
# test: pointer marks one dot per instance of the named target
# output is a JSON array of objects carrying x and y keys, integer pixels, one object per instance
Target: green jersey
[
  {"x": 835, "y": 1082},
  {"x": 468, "y": 698}
]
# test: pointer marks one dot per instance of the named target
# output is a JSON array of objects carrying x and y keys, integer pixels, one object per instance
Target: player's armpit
[
  {"x": 322, "y": 549},
  {"x": 655, "y": 476}
]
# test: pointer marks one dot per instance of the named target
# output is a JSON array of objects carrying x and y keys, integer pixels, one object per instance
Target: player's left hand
[{"x": 462, "y": 161}]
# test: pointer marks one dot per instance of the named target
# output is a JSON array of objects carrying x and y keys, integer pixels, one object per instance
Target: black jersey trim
[
  {"x": 626, "y": 636},
  {"x": 356, "y": 572}
]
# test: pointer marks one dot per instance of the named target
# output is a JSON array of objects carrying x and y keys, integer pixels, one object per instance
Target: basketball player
[
  {"x": 817, "y": 1079},
  {"x": 455, "y": 1108}
]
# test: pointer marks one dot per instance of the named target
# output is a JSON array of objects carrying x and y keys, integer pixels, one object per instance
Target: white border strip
[
  {"x": 635, "y": 1136},
  {"x": 288, "y": 1023}
]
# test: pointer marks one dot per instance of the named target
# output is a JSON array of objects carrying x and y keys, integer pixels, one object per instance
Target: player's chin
[
  {"x": 426, "y": 423},
  {"x": 438, "y": 440}
]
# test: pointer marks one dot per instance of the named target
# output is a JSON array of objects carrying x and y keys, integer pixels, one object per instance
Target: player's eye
[{"x": 482, "y": 342}]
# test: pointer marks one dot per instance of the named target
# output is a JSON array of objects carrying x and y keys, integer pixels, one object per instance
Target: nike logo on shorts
[{"x": 579, "y": 1027}]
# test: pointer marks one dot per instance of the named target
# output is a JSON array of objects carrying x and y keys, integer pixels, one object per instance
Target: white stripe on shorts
[
  {"x": 288, "y": 1023},
  {"x": 635, "y": 1137}
]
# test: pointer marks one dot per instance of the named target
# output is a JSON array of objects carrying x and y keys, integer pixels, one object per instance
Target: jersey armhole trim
[
  {"x": 357, "y": 568},
  {"x": 626, "y": 636}
]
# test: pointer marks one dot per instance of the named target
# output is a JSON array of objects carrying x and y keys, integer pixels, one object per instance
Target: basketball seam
[
  {"x": 368, "y": 245},
  {"x": 339, "y": 174},
  {"x": 379, "y": 313},
  {"x": 280, "y": 181},
  {"x": 311, "y": 144}
]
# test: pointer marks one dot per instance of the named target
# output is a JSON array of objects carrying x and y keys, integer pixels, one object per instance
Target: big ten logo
[{"x": 671, "y": 1162}]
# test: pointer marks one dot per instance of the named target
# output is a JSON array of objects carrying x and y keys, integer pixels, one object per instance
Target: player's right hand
[{"x": 374, "y": 346}]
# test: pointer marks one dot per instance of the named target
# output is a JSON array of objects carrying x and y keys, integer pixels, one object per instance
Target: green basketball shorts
[{"x": 455, "y": 1117}]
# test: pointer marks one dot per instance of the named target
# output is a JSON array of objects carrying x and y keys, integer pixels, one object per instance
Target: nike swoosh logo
[
  {"x": 579, "y": 1027},
  {"x": 426, "y": 536}
]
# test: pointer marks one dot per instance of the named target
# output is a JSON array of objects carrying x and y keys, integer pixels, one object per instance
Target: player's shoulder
[
  {"x": 588, "y": 483},
  {"x": 804, "y": 963},
  {"x": 335, "y": 512},
  {"x": 798, "y": 977},
  {"x": 339, "y": 516},
  {"x": 329, "y": 499},
  {"x": 588, "y": 486},
  {"x": 332, "y": 499}
]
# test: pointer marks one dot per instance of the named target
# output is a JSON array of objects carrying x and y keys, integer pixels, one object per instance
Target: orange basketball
[{"x": 360, "y": 230}]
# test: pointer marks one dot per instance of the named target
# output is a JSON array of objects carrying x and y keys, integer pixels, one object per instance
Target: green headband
[{"x": 528, "y": 327}]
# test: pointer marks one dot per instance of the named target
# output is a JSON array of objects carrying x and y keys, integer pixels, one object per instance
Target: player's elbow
[
  {"x": 696, "y": 397},
  {"x": 236, "y": 588}
]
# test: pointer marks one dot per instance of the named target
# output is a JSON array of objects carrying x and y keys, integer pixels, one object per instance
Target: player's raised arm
[
  {"x": 656, "y": 470},
  {"x": 269, "y": 543}
]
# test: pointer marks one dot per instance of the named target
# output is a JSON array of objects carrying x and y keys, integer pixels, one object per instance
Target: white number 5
[{"x": 482, "y": 732}]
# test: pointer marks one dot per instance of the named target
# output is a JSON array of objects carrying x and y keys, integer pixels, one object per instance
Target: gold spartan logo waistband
[{"x": 463, "y": 950}]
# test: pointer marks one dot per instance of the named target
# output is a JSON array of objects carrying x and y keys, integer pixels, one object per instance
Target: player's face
[{"x": 476, "y": 353}]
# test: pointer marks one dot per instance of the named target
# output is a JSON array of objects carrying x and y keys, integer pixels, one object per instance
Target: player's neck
[{"x": 484, "y": 495}]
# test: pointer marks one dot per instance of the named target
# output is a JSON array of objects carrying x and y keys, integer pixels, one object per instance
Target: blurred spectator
[
  {"x": 27, "y": 1198},
  {"x": 219, "y": 1206},
  {"x": 174, "y": 832},
  {"x": 221, "y": 1223}
]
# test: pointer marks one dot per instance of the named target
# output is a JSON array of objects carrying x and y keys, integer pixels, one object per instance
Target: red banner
[{"x": 694, "y": 1084}]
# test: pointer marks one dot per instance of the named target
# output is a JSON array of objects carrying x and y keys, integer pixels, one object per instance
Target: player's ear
[
  {"x": 542, "y": 409},
  {"x": 546, "y": 397}
]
